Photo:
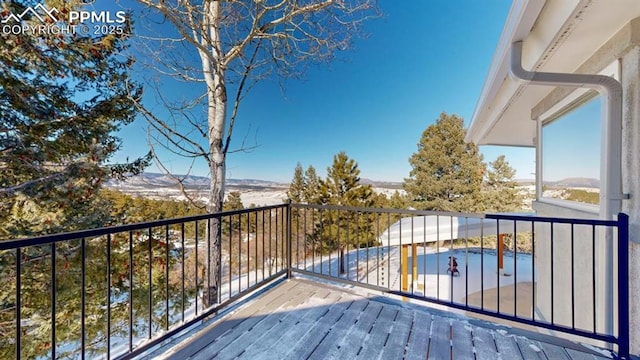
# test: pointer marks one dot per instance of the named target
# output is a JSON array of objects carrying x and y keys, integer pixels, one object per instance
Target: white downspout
[
  {"x": 611, "y": 90},
  {"x": 610, "y": 163}
]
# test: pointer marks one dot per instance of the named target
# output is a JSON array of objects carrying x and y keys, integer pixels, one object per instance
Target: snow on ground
[
  {"x": 478, "y": 270},
  {"x": 263, "y": 197},
  {"x": 380, "y": 266},
  {"x": 256, "y": 195},
  {"x": 388, "y": 192}
]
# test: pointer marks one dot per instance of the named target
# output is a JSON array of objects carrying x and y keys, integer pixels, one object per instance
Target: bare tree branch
[
  {"x": 237, "y": 43},
  {"x": 13, "y": 189}
]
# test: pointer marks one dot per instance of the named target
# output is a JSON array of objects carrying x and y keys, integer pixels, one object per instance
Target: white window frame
[{"x": 574, "y": 100}]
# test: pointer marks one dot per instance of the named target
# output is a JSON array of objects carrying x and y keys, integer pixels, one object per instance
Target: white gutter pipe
[
  {"x": 611, "y": 90},
  {"x": 610, "y": 162}
]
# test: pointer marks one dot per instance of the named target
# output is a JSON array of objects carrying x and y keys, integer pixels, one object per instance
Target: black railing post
[
  {"x": 623, "y": 286},
  {"x": 53, "y": 300},
  {"x": 288, "y": 239},
  {"x": 18, "y": 302},
  {"x": 219, "y": 260}
]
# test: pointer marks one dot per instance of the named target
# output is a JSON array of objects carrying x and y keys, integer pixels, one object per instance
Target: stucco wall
[
  {"x": 570, "y": 308},
  {"x": 625, "y": 46},
  {"x": 631, "y": 179}
]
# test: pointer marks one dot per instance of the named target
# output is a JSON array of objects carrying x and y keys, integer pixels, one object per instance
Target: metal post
[
  {"x": 414, "y": 267},
  {"x": 405, "y": 266},
  {"x": 501, "y": 253},
  {"x": 18, "y": 302},
  {"x": 288, "y": 239},
  {"x": 623, "y": 286}
]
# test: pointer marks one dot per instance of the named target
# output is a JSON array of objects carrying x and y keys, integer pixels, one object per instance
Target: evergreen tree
[
  {"x": 500, "y": 193},
  {"x": 311, "y": 194},
  {"x": 446, "y": 172},
  {"x": 62, "y": 96},
  {"x": 340, "y": 229},
  {"x": 342, "y": 185},
  {"x": 296, "y": 192},
  {"x": 233, "y": 202},
  {"x": 399, "y": 201}
]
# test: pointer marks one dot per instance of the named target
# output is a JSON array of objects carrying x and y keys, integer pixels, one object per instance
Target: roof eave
[{"x": 522, "y": 16}]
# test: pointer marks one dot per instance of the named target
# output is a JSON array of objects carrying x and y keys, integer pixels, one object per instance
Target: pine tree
[
  {"x": 233, "y": 202},
  {"x": 499, "y": 191},
  {"x": 342, "y": 185},
  {"x": 296, "y": 192},
  {"x": 398, "y": 201},
  {"x": 311, "y": 193},
  {"x": 446, "y": 172},
  {"x": 340, "y": 229},
  {"x": 62, "y": 97}
]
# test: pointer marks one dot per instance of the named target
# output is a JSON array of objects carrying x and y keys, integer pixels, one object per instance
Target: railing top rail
[
  {"x": 575, "y": 221},
  {"x": 527, "y": 217},
  {"x": 53, "y": 238}
]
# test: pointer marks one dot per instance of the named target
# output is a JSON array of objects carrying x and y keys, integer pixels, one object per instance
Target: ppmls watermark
[{"x": 50, "y": 21}]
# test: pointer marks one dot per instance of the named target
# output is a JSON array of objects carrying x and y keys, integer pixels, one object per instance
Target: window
[{"x": 571, "y": 148}]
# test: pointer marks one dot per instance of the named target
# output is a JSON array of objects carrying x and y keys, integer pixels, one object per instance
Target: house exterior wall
[
  {"x": 571, "y": 308},
  {"x": 631, "y": 177},
  {"x": 624, "y": 47}
]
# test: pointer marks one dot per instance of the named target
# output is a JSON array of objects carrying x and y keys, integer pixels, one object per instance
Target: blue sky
[
  {"x": 420, "y": 59},
  {"x": 571, "y": 144}
]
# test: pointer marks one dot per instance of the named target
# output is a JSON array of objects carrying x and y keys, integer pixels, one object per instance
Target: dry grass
[{"x": 524, "y": 242}]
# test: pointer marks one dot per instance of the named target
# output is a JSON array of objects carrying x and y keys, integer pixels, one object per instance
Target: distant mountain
[
  {"x": 191, "y": 181},
  {"x": 155, "y": 180},
  {"x": 575, "y": 182},
  {"x": 381, "y": 184}
]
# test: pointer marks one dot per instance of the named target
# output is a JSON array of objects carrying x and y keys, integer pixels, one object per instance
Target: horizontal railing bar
[
  {"x": 513, "y": 217},
  {"x": 540, "y": 219},
  {"x": 47, "y": 239},
  {"x": 53, "y": 238}
]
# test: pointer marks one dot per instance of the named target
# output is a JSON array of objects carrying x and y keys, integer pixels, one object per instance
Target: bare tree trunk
[
  {"x": 216, "y": 198},
  {"x": 261, "y": 39},
  {"x": 216, "y": 115}
]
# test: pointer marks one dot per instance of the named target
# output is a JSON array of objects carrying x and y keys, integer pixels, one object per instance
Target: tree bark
[{"x": 216, "y": 115}]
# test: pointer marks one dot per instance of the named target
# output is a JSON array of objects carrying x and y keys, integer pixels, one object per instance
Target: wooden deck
[{"x": 303, "y": 319}]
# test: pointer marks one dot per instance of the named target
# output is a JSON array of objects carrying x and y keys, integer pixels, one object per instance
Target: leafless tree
[{"x": 226, "y": 47}]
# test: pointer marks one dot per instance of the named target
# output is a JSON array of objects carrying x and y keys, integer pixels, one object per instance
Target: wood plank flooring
[{"x": 303, "y": 319}]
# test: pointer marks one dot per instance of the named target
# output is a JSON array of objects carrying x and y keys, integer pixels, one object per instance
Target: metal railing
[
  {"x": 117, "y": 292},
  {"x": 558, "y": 274}
]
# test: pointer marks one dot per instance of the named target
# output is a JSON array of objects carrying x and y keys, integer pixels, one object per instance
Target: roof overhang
[{"x": 558, "y": 36}]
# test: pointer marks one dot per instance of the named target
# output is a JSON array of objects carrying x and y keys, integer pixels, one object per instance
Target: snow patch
[
  {"x": 534, "y": 348},
  {"x": 603, "y": 352}
]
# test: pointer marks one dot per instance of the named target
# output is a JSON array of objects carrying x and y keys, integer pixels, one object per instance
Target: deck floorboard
[
  {"x": 303, "y": 319},
  {"x": 418, "y": 342},
  {"x": 483, "y": 343},
  {"x": 440, "y": 339},
  {"x": 554, "y": 352},
  {"x": 461, "y": 341}
]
